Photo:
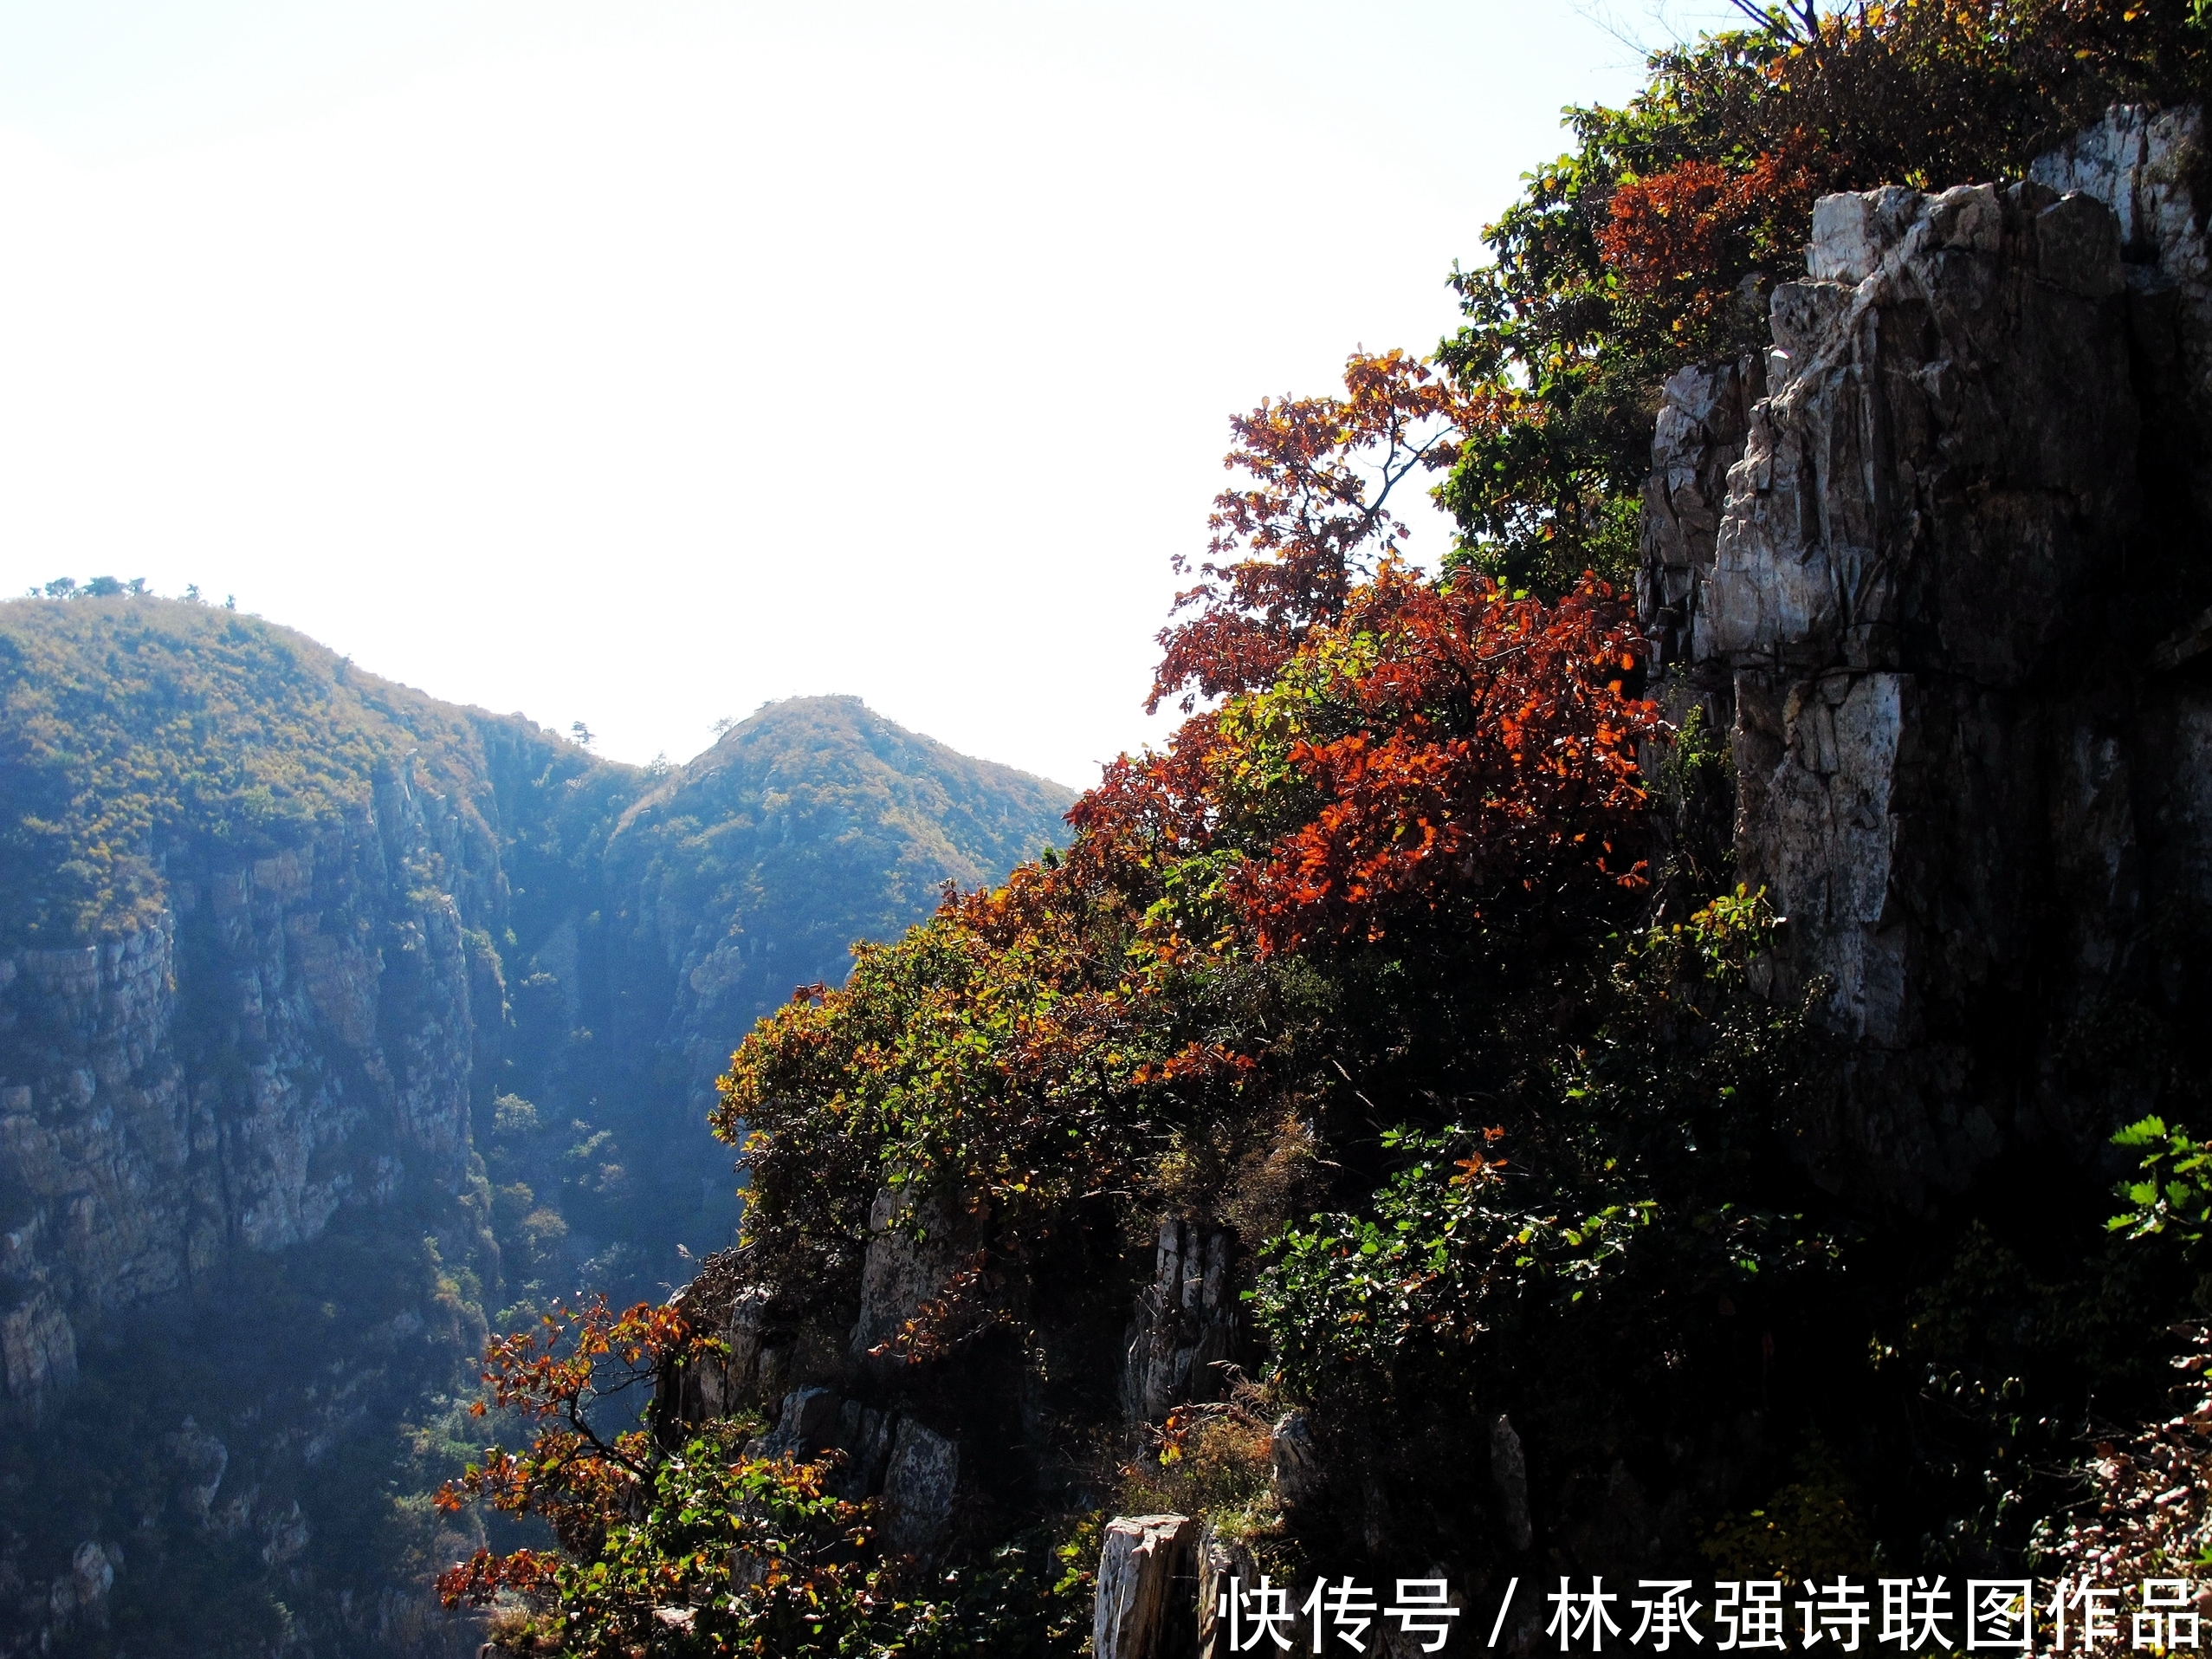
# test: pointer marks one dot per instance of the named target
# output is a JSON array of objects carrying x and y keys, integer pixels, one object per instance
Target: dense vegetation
[
  {"x": 620, "y": 926},
  {"x": 1414, "y": 960},
  {"x": 131, "y": 727}
]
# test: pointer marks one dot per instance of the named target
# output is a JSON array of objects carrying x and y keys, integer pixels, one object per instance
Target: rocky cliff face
[
  {"x": 1919, "y": 561},
  {"x": 285, "y": 1038},
  {"x": 276, "y": 1056},
  {"x": 269, "y": 1122}
]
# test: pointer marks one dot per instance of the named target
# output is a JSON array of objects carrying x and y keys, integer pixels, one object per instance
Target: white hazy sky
[{"x": 639, "y": 363}]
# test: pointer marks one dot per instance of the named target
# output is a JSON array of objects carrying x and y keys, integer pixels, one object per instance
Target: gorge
[{"x": 338, "y": 1027}]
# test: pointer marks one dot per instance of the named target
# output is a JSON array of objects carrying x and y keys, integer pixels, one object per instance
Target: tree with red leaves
[
  {"x": 577, "y": 1474},
  {"x": 1681, "y": 240},
  {"x": 702, "y": 1549},
  {"x": 1438, "y": 749},
  {"x": 1287, "y": 549}
]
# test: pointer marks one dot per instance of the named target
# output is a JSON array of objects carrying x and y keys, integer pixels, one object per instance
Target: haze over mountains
[{"x": 339, "y": 1026}]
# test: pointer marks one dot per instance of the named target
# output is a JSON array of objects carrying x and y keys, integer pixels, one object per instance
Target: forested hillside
[
  {"x": 1669, "y": 1047},
  {"x": 339, "y": 1029}
]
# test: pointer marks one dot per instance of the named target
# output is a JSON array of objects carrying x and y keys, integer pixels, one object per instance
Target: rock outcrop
[
  {"x": 1185, "y": 1324},
  {"x": 1509, "y": 1472},
  {"x": 1224, "y": 1567},
  {"x": 287, "y": 1036},
  {"x": 920, "y": 1486},
  {"x": 1951, "y": 738},
  {"x": 1704, "y": 411},
  {"x": 1295, "y": 1460},
  {"x": 1916, "y": 560},
  {"x": 1147, "y": 1589},
  {"x": 913, "y": 1248},
  {"x": 2145, "y": 168}
]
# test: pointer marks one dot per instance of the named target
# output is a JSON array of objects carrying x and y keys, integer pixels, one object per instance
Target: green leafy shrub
[
  {"x": 730, "y": 1554},
  {"x": 2173, "y": 1195}
]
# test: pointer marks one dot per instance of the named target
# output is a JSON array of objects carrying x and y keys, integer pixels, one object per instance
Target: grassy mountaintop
[
  {"x": 812, "y": 824},
  {"x": 129, "y": 723},
  {"x": 125, "y": 720},
  {"x": 134, "y": 729}
]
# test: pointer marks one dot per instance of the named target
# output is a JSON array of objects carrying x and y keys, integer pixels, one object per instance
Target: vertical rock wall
[
  {"x": 2147, "y": 169},
  {"x": 1930, "y": 605},
  {"x": 291, "y": 1034},
  {"x": 1185, "y": 1322}
]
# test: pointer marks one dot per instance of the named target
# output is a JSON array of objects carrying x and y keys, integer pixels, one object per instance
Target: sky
[{"x": 639, "y": 363}]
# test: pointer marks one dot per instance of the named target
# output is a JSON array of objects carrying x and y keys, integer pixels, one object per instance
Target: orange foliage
[
  {"x": 1497, "y": 751},
  {"x": 479, "y": 1581},
  {"x": 571, "y": 1475},
  {"x": 1684, "y": 238},
  {"x": 1323, "y": 470},
  {"x": 1394, "y": 757},
  {"x": 1436, "y": 751},
  {"x": 992, "y": 1052}
]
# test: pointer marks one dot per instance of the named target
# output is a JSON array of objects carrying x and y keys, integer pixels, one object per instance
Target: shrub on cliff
[
  {"x": 1433, "y": 774},
  {"x": 704, "y": 1547}
]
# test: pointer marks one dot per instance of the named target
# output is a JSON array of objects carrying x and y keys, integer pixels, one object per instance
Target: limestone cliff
[
  {"x": 1925, "y": 563},
  {"x": 286, "y": 1037}
]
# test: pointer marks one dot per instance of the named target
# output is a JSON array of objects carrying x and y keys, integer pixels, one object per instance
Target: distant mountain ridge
[
  {"x": 756, "y": 866},
  {"x": 337, "y": 1025}
]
